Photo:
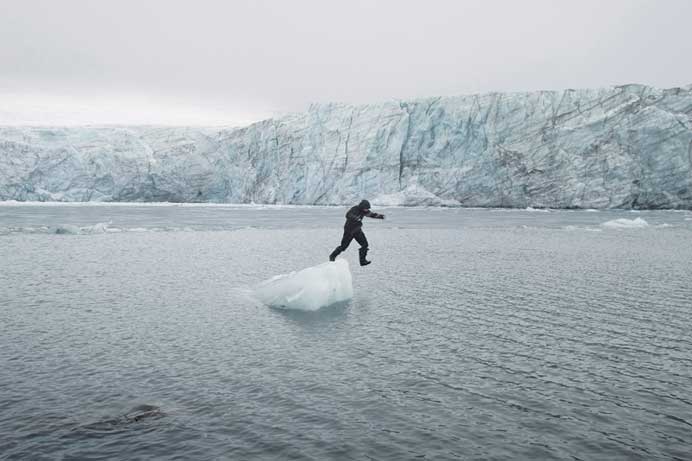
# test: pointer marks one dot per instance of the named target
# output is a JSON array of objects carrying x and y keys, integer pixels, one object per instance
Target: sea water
[{"x": 133, "y": 332}]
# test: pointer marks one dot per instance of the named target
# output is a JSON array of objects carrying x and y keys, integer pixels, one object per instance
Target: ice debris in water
[
  {"x": 98, "y": 228},
  {"x": 308, "y": 289},
  {"x": 626, "y": 223}
]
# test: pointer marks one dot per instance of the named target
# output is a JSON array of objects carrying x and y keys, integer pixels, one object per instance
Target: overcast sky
[{"x": 233, "y": 61}]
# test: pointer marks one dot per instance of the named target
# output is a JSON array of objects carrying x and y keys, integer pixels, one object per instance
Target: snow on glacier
[{"x": 308, "y": 289}]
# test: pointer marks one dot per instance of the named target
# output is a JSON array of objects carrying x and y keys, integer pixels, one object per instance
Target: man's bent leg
[{"x": 345, "y": 242}]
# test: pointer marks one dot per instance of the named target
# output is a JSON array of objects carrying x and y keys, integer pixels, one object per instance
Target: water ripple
[{"x": 462, "y": 341}]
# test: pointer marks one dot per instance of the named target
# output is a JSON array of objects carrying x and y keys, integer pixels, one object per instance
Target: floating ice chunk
[
  {"x": 637, "y": 223},
  {"x": 308, "y": 289},
  {"x": 99, "y": 228},
  {"x": 69, "y": 229},
  {"x": 585, "y": 229}
]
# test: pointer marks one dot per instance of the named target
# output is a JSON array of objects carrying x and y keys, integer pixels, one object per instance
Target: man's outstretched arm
[{"x": 372, "y": 214}]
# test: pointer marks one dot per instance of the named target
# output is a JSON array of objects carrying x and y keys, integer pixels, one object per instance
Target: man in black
[{"x": 353, "y": 230}]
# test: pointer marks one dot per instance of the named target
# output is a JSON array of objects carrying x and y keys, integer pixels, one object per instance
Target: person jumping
[{"x": 353, "y": 230}]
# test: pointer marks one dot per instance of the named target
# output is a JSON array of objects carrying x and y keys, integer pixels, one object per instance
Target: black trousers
[{"x": 349, "y": 235}]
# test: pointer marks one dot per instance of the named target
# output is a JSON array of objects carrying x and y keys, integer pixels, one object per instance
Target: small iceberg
[
  {"x": 308, "y": 289},
  {"x": 68, "y": 229},
  {"x": 637, "y": 223}
]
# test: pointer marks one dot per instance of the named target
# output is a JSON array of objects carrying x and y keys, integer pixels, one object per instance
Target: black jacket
[{"x": 354, "y": 218}]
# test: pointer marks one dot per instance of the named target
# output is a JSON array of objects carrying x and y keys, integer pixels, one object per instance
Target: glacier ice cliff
[{"x": 626, "y": 146}]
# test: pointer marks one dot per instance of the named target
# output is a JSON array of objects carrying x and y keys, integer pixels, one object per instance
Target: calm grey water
[{"x": 475, "y": 334}]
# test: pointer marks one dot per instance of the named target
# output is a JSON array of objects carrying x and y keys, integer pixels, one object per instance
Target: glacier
[{"x": 622, "y": 147}]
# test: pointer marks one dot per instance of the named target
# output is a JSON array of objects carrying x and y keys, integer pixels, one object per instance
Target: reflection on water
[{"x": 320, "y": 318}]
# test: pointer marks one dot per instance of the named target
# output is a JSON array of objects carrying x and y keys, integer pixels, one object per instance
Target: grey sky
[{"x": 165, "y": 61}]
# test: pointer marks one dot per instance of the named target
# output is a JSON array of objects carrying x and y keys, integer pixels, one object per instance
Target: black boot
[
  {"x": 335, "y": 253},
  {"x": 363, "y": 252}
]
